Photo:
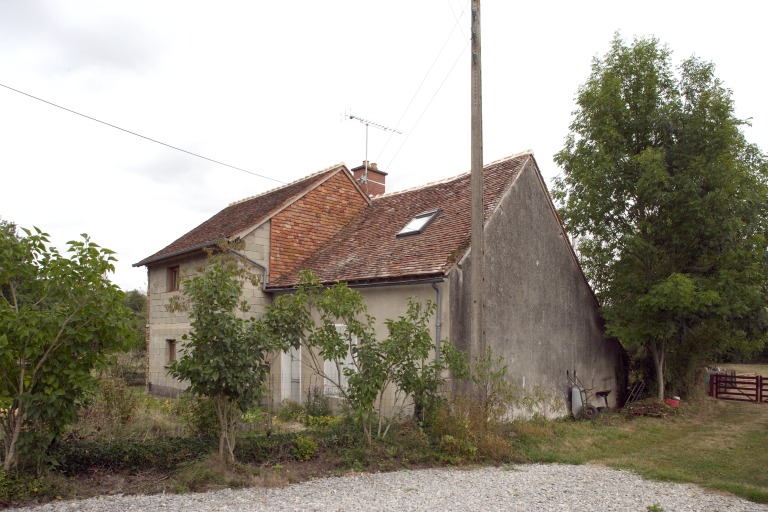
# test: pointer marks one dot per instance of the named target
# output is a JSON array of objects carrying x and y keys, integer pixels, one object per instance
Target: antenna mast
[{"x": 368, "y": 123}]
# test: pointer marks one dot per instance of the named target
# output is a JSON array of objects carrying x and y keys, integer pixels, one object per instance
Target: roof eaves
[
  {"x": 174, "y": 254},
  {"x": 372, "y": 283}
]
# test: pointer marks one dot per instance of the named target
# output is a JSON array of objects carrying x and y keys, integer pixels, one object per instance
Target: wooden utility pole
[{"x": 477, "y": 248}]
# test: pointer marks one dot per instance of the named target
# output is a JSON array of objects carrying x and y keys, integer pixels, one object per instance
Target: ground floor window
[{"x": 336, "y": 381}]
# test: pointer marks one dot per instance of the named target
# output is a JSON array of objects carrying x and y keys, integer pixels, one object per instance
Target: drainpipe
[
  {"x": 257, "y": 264},
  {"x": 438, "y": 323}
]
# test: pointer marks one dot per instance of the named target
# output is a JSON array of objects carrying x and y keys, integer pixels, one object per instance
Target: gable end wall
[
  {"x": 540, "y": 313},
  {"x": 304, "y": 227}
]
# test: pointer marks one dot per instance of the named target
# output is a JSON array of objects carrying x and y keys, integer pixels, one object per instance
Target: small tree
[
  {"x": 362, "y": 368},
  {"x": 59, "y": 317},
  {"x": 225, "y": 356}
]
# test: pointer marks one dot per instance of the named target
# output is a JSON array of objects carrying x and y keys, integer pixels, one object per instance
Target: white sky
[{"x": 264, "y": 86}]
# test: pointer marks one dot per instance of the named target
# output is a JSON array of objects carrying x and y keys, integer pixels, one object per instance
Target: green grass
[
  {"x": 716, "y": 444},
  {"x": 757, "y": 369}
]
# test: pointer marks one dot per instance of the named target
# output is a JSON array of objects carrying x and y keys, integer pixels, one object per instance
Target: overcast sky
[{"x": 264, "y": 86}]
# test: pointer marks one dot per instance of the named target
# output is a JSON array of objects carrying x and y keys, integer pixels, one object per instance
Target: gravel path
[{"x": 536, "y": 487}]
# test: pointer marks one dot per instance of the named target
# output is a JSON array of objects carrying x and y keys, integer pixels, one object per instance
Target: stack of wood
[{"x": 649, "y": 407}]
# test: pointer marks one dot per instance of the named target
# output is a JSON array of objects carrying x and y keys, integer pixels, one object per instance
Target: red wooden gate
[{"x": 741, "y": 388}]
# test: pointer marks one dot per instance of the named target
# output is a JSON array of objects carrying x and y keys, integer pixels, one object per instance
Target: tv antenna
[{"x": 368, "y": 123}]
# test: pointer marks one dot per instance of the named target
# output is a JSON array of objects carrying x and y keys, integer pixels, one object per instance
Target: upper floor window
[
  {"x": 418, "y": 224},
  {"x": 173, "y": 278}
]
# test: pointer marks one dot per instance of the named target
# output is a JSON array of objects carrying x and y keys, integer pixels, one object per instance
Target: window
[
  {"x": 418, "y": 224},
  {"x": 173, "y": 279},
  {"x": 334, "y": 370},
  {"x": 171, "y": 344}
]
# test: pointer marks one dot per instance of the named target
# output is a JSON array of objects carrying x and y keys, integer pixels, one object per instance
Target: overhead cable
[{"x": 143, "y": 136}]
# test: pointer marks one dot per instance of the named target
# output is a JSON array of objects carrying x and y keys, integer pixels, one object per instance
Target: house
[{"x": 540, "y": 313}]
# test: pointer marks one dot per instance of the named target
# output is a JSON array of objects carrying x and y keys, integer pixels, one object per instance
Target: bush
[
  {"x": 260, "y": 448},
  {"x": 306, "y": 448},
  {"x": 462, "y": 431},
  {"x": 317, "y": 403},
  {"x": 198, "y": 414},
  {"x": 162, "y": 453},
  {"x": 337, "y": 433},
  {"x": 290, "y": 411},
  {"x": 19, "y": 488},
  {"x": 116, "y": 400}
]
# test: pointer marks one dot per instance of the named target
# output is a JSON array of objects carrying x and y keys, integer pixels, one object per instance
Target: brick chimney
[{"x": 374, "y": 183}]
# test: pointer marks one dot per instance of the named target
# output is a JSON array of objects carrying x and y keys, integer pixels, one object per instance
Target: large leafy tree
[
  {"x": 667, "y": 204},
  {"x": 225, "y": 355},
  {"x": 59, "y": 316}
]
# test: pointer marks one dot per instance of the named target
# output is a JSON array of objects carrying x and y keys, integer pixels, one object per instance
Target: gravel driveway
[{"x": 538, "y": 487}]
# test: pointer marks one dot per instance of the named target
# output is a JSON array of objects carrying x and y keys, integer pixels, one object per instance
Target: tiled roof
[
  {"x": 368, "y": 249},
  {"x": 240, "y": 216}
]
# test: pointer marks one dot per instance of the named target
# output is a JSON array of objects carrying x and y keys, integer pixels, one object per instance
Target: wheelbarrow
[{"x": 581, "y": 397}]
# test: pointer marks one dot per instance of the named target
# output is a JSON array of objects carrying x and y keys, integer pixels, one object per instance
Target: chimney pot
[{"x": 374, "y": 183}]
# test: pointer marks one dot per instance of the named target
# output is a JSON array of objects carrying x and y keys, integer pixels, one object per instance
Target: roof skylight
[{"x": 418, "y": 224}]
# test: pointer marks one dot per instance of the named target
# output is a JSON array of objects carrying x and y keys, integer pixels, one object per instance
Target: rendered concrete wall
[
  {"x": 539, "y": 312},
  {"x": 164, "y": 325}
]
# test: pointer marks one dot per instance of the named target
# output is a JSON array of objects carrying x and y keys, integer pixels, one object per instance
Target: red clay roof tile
[
  {"x": 368, "y": 249},
  {"x": 240, "y": 216}
]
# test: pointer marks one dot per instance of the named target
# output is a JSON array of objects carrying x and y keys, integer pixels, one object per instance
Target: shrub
[
  {"x": 116, "y": 400},
  {"x": 462, "y": 432},
  {"x": 161, "y": 453},
  {"x": 317, "y": 403},
  {"x": 323, "y": 422},
  {"x": 306, "y": 448},
  {"x": 290, "y": 411},
  {"x": 198, "y": 415},
  {"x": 16, "y": 488},
  {"x": 260, "y": 448},
  {"x": 254, "y": 419}
]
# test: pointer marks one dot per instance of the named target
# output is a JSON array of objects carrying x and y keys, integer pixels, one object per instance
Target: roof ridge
[
  {"x": 511, "y": 157},
  {"x": 305, "y": 178},
  {"x": 452, "y": 178},
  {"x": 419, "y": 187}
]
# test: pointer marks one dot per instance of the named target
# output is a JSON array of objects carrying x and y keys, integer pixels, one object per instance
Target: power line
[
  {"x": 440, "y": 53},
  {"x": 142, "y": 136},
  {"x": 389, "y": 164}
]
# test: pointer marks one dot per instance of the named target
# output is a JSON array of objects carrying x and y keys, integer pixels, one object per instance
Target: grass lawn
[
  {"x": 757, "y": 369},
  {"x": 717, "y": 444}
]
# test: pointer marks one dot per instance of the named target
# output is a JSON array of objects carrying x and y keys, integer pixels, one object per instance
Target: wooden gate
[{"x": 741, "y": 388}]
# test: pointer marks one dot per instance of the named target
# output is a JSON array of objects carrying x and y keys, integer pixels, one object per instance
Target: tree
[
  {"x": 333, "y": 324},
  {"x": 136, "y": 302},
  {"x": 225, "y": 356},
  {"x": 667, "y": 204},
  {"x": 59, "y": 317}
]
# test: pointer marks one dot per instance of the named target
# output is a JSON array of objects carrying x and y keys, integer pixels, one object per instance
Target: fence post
[
  {"x": 712, "y": 377},
  {"x": 759, "y": 386}
]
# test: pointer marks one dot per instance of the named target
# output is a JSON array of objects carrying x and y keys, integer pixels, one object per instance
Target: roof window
[{"x": 418, "y": 224}]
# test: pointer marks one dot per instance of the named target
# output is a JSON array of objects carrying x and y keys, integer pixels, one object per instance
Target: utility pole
[{"x": 477, "y": 277}]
